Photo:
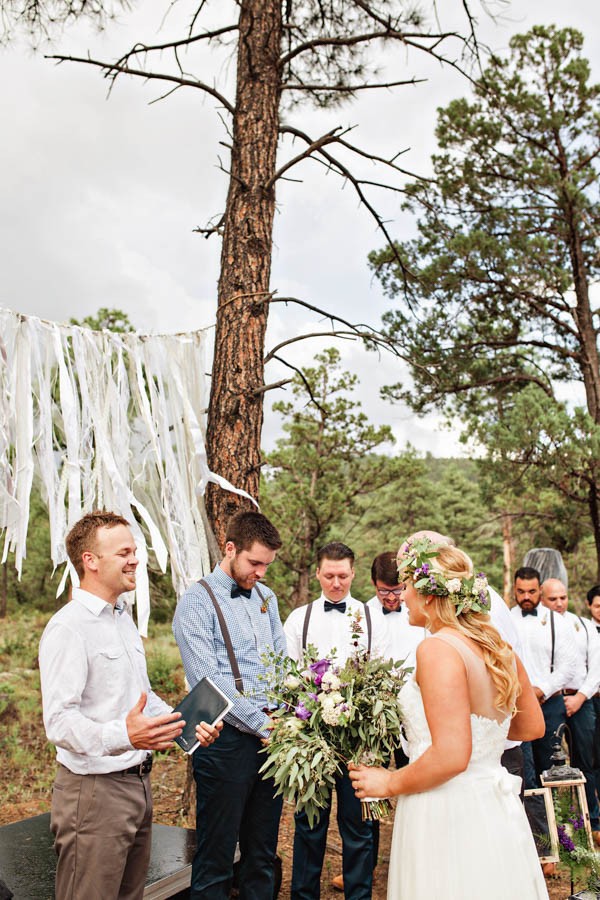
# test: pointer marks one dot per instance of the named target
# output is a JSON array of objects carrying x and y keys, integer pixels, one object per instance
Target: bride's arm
[
  {"x": 528, "y": 722},
  {"x": 442, "y": 678}
]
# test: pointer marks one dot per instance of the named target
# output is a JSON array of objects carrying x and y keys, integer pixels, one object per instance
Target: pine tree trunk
[
  {"x": 508, "y": 557},
  {"x": 235, "y": 412}
]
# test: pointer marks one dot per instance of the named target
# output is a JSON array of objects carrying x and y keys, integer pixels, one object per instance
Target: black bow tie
[
  {"x": 237, "y": 591},
  {"x": 598, "y": 628},
  {"x": 386, "y": 612},
  {"x": 529, "y": 612},
  {"x": 340, "y": 607}
]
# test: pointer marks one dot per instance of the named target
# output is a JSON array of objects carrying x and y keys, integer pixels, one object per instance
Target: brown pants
[{"x": 102, "y": 826}]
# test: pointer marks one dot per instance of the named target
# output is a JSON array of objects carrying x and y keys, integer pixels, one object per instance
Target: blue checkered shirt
[{"x": 203, "y": 652}]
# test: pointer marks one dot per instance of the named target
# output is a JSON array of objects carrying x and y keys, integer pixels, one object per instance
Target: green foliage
[
  {"x": 324, "y": 465},
  {"x": 498, "y": 301},
  {"x": 106, "y": 319}
]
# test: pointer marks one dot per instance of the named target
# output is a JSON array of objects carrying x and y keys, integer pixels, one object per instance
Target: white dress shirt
[
  {"x": 329, "y": 631},
  {"x": 536, "y": 641},
  {"x": 586, "y": 677},
  {"x": 92, "y": 671},
  {"x": 394, "y": 632}
]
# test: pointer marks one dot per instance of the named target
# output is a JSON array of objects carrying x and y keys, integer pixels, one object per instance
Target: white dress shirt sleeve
[
  {"x": 565, "y": 659},
  {"x": 63, "y": 675},
  {"x": 591, "y": 683}
]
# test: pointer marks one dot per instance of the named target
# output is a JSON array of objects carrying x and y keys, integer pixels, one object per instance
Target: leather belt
[
  {"x": 141, "y": 769},
  {"x": 569, "y": 692}
]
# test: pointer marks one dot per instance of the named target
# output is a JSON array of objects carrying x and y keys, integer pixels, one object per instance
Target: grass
[{"x": 28, "y": 760}]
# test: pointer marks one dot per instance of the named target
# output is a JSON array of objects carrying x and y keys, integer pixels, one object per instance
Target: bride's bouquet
[{"x": 328, "y": 716}]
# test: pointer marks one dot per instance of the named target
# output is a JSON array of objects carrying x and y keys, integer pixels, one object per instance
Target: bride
[{"x": 460, "y": 831}]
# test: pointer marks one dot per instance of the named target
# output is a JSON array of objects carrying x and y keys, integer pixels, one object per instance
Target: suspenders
[
  {"x": 239, "y": 684},
  {"x": 587, "y": 645},
  {"x": 307, "y": 620},
  {"x": 552, "y": 629}
]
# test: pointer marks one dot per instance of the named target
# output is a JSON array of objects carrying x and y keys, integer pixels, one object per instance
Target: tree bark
[
  {"x": 235, "y": 411},
  {"x": 508, "y": 557}
]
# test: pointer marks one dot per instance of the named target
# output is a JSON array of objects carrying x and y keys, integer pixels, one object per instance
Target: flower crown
[{"x": 467, "y": 594}]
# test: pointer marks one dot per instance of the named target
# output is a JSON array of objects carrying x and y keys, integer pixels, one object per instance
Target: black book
[{"x": 204, "y": 703}]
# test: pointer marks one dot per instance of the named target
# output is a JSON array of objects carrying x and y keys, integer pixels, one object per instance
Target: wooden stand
[{"x": 578, "y": 783}]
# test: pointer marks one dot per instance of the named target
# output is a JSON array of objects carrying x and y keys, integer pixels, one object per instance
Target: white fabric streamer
[{"x": 105, "y": 420}]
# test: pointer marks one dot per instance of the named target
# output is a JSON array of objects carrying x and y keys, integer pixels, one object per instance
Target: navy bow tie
[
  {"x": 340, "y": 607},
  {"x": 386, "y": 612},
  {"x": 529, "y": 612},
  {"x": 237, "y": 591}
]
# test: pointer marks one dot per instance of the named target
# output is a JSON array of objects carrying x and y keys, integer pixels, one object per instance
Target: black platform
[{"x": 28, "y": 861}]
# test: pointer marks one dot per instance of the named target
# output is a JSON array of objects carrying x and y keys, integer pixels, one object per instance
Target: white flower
[
  {"x": 292, "y": 682},
  {"x": 307, "y": 674},
  {"x": 330, "y": 714},
  {"x": 479, "y": 585},
  {"x": 293, "y": 724},
  {"x": 330, "y": 682},
  {"x": 453, "y": 585}
]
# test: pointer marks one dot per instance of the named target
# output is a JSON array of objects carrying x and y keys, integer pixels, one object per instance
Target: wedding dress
[{"x": 469, "y": 838}]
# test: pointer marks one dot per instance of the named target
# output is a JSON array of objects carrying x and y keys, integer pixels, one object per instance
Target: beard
[{"x": 247, "y": 581}]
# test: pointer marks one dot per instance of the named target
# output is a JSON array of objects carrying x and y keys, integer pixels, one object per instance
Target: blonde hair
[{"x": 497, "y": 654}]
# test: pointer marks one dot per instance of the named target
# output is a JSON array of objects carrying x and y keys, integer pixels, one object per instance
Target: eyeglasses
[{"x": 385, "y": 592}]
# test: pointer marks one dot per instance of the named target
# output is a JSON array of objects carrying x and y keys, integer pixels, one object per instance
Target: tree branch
[{"x": 112, "y": 70}]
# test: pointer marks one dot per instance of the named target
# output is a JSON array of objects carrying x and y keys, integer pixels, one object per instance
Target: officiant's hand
[
  {"x": 370, "y": 781},
  {"x": 152, "y": 732},
  {"x": 207, "y": 734}
]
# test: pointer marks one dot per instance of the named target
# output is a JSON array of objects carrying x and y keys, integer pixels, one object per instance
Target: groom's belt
[{"x": 569, "y": 692}]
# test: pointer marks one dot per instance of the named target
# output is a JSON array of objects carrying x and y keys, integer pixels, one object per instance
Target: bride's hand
[{"x": 370, "y": 781}]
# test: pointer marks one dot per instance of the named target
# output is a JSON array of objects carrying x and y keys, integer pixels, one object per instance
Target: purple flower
[
  {"x": 314, "y": 697},
  {"x": 302, "y": 712},
  {"x": 564, "y": 839},
  {"x": 319, "y": 668},
  {"x": 424, "y": 570}
]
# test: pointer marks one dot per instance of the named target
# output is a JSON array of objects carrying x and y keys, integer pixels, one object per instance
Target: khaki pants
[{"x": 102, "y": 826}]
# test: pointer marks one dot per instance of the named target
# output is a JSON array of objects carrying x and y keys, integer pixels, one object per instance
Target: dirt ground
[{"x": 168, "y": 778}]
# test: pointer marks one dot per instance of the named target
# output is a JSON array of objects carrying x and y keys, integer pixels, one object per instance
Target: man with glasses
[{"x": 390, "y": 619}]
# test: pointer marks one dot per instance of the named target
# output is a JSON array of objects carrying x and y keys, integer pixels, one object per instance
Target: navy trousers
[
  {"x": 582, "y": 726},
  {"x": 539, "y": 752},
  {"x": 357, "y": 848},
  {"x": 596, "y": 702},
  {"x": 234, "y": 804}
]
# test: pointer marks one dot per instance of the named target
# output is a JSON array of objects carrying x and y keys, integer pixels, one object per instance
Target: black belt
[
  {"x": 141, "y": 769},
  {"x": 569, "y": 692}
]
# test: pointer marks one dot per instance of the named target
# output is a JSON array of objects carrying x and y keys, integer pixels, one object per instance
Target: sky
[{"x": 100, "y": 195}]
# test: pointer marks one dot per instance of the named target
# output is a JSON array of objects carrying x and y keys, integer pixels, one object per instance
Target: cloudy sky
[{"x": 100, "y": 194}]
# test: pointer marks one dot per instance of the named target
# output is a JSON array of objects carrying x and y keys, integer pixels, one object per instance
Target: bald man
[{"x": 579, "y": 693}]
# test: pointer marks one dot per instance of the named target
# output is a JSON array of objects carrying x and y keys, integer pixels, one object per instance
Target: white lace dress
[{"x": 469, "y": 838}]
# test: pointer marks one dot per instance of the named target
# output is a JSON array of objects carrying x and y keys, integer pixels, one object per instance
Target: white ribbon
[{"x": 105, "y": 420}]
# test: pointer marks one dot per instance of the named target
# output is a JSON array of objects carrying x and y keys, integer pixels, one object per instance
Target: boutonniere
[
  {"x": 265, "y": 604},
  {"x": 577, "y": 626},
  {"x": 545, "y": 620}
]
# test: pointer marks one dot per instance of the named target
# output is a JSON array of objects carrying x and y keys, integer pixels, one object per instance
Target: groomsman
[
  {"x": 549, "y": 657},
  {"x": 390, "y": 618},
  {"x": 580, "y": 690},
  {"x": 593, "y": 599},
  {"x": 327, "y": 624}
]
